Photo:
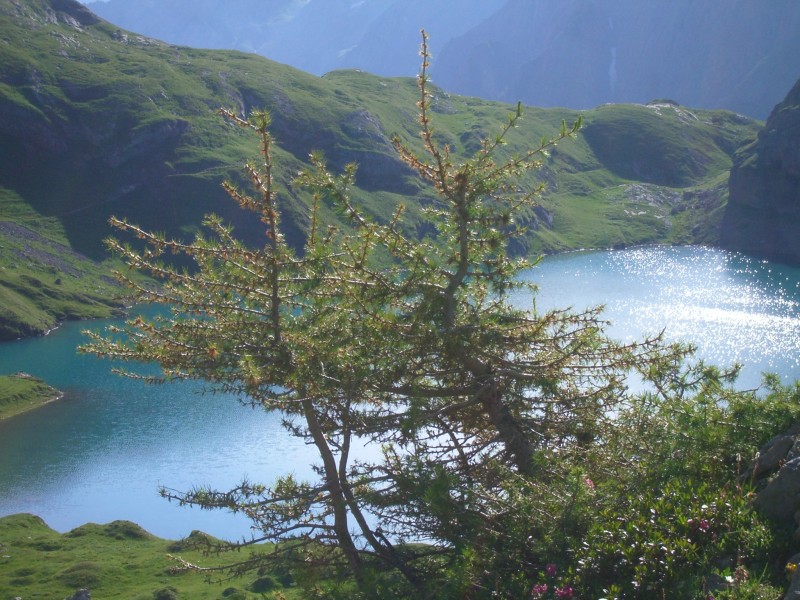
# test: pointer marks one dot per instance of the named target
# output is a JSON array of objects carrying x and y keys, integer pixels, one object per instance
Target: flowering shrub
[
  {"x": 550, "y": 589},
  {"x": 539, "y": 591},
  {"x": 668, "y": 539}
]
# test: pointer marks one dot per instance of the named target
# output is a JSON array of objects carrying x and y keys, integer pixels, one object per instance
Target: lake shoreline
[
  {"x": 21, "y": 393},
  {"x": 102, "y": 453},
  {"x": 122, "y": 310}
]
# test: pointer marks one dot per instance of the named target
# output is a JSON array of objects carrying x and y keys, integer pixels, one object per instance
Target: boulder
[
  {"x": 763, "y": 213},
  {"x": 772, "y": 455},
  {"x": 775, "y": 471},
  {"x": 793, "y": 591},
  {"x": 779, "y": 499}
]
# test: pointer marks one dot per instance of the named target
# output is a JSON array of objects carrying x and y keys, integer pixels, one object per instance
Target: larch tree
[{"x": 371, "y": 336}]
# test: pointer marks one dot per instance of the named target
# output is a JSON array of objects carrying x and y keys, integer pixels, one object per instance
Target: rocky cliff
[
  {"x": 377, "y": 36},
  {"x": 741, "y": 55},
  {"x": 763, "y": 214}
]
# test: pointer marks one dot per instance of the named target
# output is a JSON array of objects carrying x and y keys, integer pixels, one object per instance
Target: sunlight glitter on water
[
  {"x": 724, "y": 335},
  {"x": 735, "y": 309}
]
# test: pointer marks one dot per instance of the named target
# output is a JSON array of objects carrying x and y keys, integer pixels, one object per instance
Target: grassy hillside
[
  {"x": 42, "y": 279},
  {"x": 117, "y": 560},
  {"x": 96, "y": 121},
  {"x": 21, "y": 392}
]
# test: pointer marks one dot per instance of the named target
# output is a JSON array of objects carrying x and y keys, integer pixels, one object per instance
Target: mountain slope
[
  {"x": 96, "y": 121},
  {"x": 763, "y": 215},
  {"x": 378, "y": 36},
  {"x": 742, "y": 55}
]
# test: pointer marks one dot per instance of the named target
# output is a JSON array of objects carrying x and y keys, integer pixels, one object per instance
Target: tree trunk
[
  {"x": 511, "y": 434},
  {"x": 333, "y": 485}
]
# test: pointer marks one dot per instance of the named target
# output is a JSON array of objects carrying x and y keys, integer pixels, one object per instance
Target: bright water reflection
[
  {"x": 733, "y": 308},
  {"x": 101, "y": 452}
]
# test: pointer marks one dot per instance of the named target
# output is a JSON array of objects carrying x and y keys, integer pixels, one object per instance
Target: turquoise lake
[{"x": 101, "y": 452}]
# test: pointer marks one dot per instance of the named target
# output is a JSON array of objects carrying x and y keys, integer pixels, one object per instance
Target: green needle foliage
[{"x": 487, "y": 415}]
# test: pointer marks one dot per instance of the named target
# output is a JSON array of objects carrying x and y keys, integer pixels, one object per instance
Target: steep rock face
[
  {"x": 763, "y": 214},
  {"x": 741, "y": 55},
  {"x": 379, "y": 36}
]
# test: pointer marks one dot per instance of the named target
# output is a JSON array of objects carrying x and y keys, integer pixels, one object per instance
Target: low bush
[
  {"x": 168, "y": 593},
  {"x": 81, "y": 575}
]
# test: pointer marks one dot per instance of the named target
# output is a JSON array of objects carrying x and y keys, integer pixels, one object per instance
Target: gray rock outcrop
[
  {"x": 776, "y": 475},
  {"x": 763, "y": 213}
]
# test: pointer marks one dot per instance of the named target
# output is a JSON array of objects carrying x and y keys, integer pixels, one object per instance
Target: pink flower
[
  {"x": 588, "y": 483},
  {"x": 565, "y": 592},
  {"x": 539, "y": 590},
  {"x": 551, "y": 569},
  {"x": 702, "y": 524}
]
